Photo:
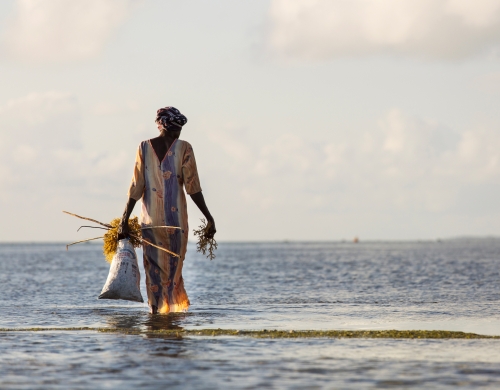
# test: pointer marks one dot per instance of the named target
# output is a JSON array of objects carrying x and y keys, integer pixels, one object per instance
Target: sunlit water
[{"x": 451, "y": 285}]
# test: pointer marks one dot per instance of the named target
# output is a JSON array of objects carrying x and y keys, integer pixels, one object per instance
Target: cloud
[
  {"x": 45, "y": 168},
  {"x": 403, "y": 164},
  {"x": 436, "y": 29},
  {"x": 42, "y": 118},
  {"x": 41, "y": 148},
  {"x": 60, "y": 30},
  {"x": 489, "y": 82},
  {"x": 105, "y": 108}
]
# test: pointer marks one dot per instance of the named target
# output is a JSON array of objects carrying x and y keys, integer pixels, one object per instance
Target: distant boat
[{"x": 355, "y": 240}]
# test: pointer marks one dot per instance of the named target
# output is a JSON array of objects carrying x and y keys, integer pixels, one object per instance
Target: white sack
[{"x": 124, "y": 278}]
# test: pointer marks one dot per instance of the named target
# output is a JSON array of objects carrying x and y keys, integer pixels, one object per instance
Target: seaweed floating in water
[
  {"x": 277, "y": 334},
  {"x": 111, "y": 237},
  {"x": 205, "y": 244}
]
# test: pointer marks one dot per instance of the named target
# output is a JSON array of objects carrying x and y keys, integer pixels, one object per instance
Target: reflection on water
[
  {"x": 170, "y": 321},
  {"x": 124, "y": 321},
  {"x": 144, "y": 321}
]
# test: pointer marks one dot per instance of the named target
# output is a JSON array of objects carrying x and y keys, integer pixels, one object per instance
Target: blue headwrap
[{"x": 170, "y": 118}]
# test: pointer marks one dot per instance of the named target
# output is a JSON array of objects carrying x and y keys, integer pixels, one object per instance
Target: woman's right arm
[
  {"x": 134, "y": 194},
  {"x": 123, "y": 230}
]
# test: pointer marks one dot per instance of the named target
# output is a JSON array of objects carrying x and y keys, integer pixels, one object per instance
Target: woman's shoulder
[
  {"x": 142, "y": 149},
  {"x": 184, "y": 145},
  {"x": 145, "y": 143}
]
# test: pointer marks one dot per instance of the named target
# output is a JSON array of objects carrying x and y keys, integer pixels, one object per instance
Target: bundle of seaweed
[
  {"x": 111, "y": 236},
  {"x": 205, "y": 243}
]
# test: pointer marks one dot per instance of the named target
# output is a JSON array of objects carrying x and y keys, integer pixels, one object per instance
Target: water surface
[{"x": 451, "y": 285}]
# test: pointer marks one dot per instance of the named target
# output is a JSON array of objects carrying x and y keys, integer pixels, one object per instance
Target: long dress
[{"x": 159, "y": 185}]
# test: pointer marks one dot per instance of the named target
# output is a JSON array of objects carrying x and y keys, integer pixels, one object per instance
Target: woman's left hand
[{"x": 211, "y": 228}]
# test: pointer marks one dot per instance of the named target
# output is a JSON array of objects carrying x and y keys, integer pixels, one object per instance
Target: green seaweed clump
[
  {"x": 351, "y": 334},
  {"x": 277, "y": 334}
]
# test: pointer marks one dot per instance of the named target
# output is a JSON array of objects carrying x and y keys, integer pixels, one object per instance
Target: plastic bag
[{"x": 124, "y": 278}]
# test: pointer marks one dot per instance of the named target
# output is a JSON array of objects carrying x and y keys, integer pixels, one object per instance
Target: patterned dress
[{"x": 159, "y": 184}]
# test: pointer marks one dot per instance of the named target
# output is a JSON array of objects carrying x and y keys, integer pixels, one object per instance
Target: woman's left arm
[{"x": 193, "y": 187}]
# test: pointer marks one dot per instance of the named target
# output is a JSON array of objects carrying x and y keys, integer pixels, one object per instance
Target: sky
[{"x": 310, "y": 119}]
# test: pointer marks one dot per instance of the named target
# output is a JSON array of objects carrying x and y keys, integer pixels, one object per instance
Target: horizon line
[{"x": 292, "y": 241}]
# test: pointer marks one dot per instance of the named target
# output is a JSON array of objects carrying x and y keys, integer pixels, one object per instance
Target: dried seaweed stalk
[
  {"x": 78, "y": 242},
  {"x": 111, "y": 237},
  {"x": 88, "y": 219},
  {"x": 144, "y": 241},
  {"x": 205, "y": 244},
  {"x": 92, "y": 227}
]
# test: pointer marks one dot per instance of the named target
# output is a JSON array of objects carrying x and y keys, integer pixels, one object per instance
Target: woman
[{"x": 163, "y": 165}]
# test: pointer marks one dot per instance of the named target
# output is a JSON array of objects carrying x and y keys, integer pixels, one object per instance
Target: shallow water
[{"x": 451, "y": 285}]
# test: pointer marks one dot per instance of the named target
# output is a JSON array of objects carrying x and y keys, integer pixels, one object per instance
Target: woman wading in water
[{"x": 163, "y": 166}]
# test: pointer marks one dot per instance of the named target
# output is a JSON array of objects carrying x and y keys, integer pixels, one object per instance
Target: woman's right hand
[{"x": 123, "y": 230}]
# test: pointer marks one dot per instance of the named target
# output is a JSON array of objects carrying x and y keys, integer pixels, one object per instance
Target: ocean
[{"x": 49, "y": 294}]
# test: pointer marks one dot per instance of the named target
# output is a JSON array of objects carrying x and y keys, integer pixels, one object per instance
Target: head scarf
[{"x": 170, "y": 118}]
